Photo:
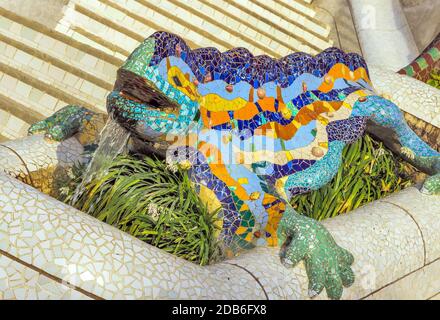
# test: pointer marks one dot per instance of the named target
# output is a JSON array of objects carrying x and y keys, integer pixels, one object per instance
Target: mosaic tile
[
  {"x": 207, "y": 105},
  {"x": 19, "y": 282},
  {"x": 102, "y": 260}
]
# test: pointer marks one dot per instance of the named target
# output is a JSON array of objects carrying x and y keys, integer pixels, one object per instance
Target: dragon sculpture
[{"x": 253, "y": 131}]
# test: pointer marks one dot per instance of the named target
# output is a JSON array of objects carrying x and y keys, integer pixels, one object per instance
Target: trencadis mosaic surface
[{"x": 254, "y": 131}]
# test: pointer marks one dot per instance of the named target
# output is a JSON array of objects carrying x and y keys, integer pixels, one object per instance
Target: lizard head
[{"x": 155, "y": 106}]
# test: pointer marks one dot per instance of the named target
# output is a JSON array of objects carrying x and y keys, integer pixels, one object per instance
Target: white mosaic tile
[
  {"x": 384, "y": 240},
  {"x": 37, "y": 153},
  {"x": 20, "y": 282},
  {"x": 411, "y": 95},
  {"x": 419, "y": 285},
  {"x": 103, "y": 260},
  {"x": 428, "y": 219}
]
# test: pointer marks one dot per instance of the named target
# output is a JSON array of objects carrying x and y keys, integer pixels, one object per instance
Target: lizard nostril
[{"x": 285, "y": 245}]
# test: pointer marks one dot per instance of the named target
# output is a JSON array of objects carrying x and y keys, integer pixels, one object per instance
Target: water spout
[{"x": 112, "y": 141}]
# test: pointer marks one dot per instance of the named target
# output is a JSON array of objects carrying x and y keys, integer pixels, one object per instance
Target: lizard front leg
[
  {"x": 68, "y": 121},
  {"x": 327, "y": 264},
  {"x": 303, "y": 238},
  {"x": 388, "y": 124}
]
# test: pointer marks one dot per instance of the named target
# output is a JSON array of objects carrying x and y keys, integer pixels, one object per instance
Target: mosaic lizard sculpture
[{"x": 254, "y": 131}]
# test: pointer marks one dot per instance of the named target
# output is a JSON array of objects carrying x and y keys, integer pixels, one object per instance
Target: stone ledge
[
  {"x": 384, "y": 33},
  {"x": 411, "y": 95},
  {"x": 394, "y": 242}
]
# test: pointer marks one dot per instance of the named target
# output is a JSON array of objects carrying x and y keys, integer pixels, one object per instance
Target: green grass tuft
[
  {"x": 434, "y": 79},
  {"x": 155, "y": 204},
  {"x": 368, "y": 172}
]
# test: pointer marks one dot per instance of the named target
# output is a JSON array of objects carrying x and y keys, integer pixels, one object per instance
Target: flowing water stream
[{"x": 112, "y": 141}]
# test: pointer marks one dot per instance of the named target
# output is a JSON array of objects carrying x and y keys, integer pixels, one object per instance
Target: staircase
[{"x": 44, "y": 68}]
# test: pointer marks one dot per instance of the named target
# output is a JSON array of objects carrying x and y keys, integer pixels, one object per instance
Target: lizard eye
[{"x": 177, "y": 81}]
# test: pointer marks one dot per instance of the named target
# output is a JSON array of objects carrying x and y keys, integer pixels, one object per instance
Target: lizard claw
[
  {"x": 62, "y": 124},
  {"x": 431, "y": 185},
  {"x": 327, "y": 264},
  {"x": 407, "y": 152}
]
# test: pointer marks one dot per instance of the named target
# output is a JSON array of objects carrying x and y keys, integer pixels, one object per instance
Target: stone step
[
  {"x": 137, "y": 18},
  {"x": 48, "y": 81},
  {"x": 21, "y": 93},
  {"x": 255, "y": 27},
  {"x": 42, "y": 70},
  {"x": 172, "y": 18},
  {"x": 122, "y": 15},
  {"x": 86, "y": 24},
  {"x": 301, "y": 7},
  {"x": 57, "y": 53},
  {"x": 51, "y": 79},
  {"x": 213, "y": 13},
  {"x": 11, "y": 127},
  {"x": 24, "y": 101},
  {"x": 313, "y": 37},
  {"x": 226, "y": 24},
  {"x": 189, "y": 13},
  {"x": 301, "y": 15},
  {"x": 57, "y": 38}
]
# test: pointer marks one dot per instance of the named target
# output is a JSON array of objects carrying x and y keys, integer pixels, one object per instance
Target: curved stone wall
[
  {"x": 419, "y": 101},
  {"x": 56, "y": 251},
  {"x": 411, "y": 95},
  {"x": 385, "y": 36}
]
